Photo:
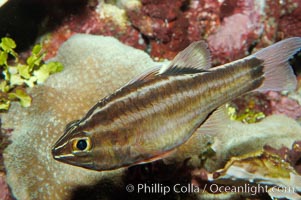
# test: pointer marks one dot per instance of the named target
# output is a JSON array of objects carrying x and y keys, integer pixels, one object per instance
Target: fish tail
[{"x": 278, "y": 73}]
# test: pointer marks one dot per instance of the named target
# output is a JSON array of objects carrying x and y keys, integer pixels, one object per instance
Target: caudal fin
[{"x": 278, "y": 73}]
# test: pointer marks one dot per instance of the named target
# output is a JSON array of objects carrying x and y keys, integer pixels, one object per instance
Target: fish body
[{"x": 159, "y": 110}]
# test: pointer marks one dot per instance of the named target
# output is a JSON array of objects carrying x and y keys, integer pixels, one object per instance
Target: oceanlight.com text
[{"x": 159, "y": 188}]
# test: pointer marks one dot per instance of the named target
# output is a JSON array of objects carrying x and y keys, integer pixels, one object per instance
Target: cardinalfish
[{"x": 156, "y": 112}]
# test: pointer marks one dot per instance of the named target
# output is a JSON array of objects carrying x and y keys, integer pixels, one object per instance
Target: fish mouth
[
  {"x": 69, "y": 159},
  {"x": 60, "y": 149},
  {"x": 59, "y": 154}
]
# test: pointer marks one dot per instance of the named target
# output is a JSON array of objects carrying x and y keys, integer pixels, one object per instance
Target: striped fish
[{"x": 161, "y": 109}]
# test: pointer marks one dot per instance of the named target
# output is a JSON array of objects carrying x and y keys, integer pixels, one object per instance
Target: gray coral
[{"x": 94, "y": 67}]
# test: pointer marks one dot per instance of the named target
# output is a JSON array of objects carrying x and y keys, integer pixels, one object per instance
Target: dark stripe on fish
[{"x": 236, "y": 79}]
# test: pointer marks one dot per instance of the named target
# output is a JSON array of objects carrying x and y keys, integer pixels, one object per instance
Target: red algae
[
  {"x": 231, "y": 27},
  {"x": 90, "y": 22},
  {"x": 255, "y": 102},
  {"x": 70, "y": 25},
  {"x": 237, "y": 32},
  {"x": 281, "y": 20},
  {"x": 281, "y": 104},
  {"x": 290, "y": 23},
  {"x": 163, "y": 24},
  {"x": 292, "y": 156},
  {"x": 4, "y": 191},
  {"x": 269, "y": 103},
  {"x": 203, "y": 18}
]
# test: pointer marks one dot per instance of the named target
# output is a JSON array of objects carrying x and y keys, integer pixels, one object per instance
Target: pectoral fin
[
  {"x": 216, "y": 122},
  {"x": 158, "y": 157}
]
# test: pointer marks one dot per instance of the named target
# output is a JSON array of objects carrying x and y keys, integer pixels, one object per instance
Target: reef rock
[{"x": 233, "y": 138}]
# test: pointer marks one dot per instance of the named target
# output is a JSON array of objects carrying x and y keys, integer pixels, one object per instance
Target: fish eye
[{"x": 81, "y": 144}]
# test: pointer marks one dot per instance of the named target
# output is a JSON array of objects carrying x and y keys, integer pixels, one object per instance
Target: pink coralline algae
[
  {"x": 240, "y": 26},
  {"x": 4, "y": 191},
  {"x": 284, "y": 105}
]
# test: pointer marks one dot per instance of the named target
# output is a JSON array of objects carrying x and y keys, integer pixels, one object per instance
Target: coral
[
  {"x": 4, "y": 142},
  {"x": 4, "y": 191},
  {"x": 164, "y": 24},
  {"x": 250, "y": 108},
  {"x": 234, "y": 28},
  {"x": 293, "y": 155},
  {"x": 262, "y": 167},
  {"x": 246, "y": 145},
  {"x": 163, "y": 29},
  {"x": 32, "y": 173},
  {"x": 247, "y": 116},
  {"x": 262, "y": 22},
  {"x": 281, "y": 104},
  {"x": 255, "y": 106},
  {"x": 96, "y": 18},
  {"x": 290, "y": 22},
  {"x": 109, "y": 11},
  {"x": 280, "y": 20},
  {"x": 239, "y": 139},
  {"x": 229, "y": 43},
  {"x": 270, "y": 20},
  {"x": 253, "y": 175},
  {"x": 297, "y": 94},
  {"x": 232, "y": 138},
  {"x": 203, "y": 18}
]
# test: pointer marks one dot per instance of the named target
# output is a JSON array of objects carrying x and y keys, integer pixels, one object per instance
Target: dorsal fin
[
  {"x": 145, "y": 76},
  {"x": 194, "y": 59}
]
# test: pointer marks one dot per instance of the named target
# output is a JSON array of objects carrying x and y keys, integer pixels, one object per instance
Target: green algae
[
  {"x": 246, "y": 116},
  {"x": 18, "y": 75}
]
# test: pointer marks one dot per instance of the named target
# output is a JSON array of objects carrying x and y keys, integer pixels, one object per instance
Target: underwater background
[{"x": 75, "y": 52}]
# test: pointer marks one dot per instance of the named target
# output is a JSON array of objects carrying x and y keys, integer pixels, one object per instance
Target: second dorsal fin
[{"x": 194, "y": 59}]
